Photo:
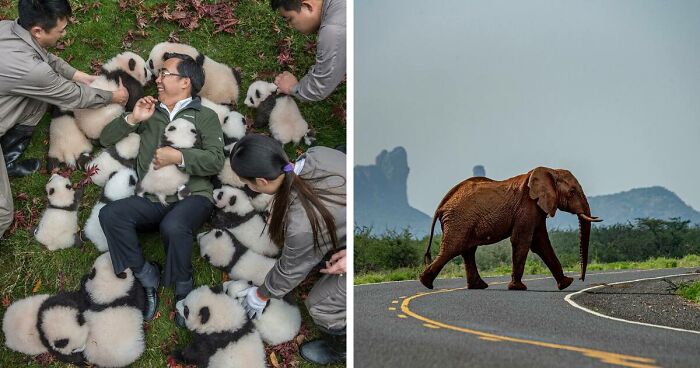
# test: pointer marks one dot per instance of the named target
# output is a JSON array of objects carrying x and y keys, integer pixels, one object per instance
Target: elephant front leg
[
  {"x": 520, "y": 249},
  {"x": 474, "y": 280},
  {"x": 543, "y": 248}
]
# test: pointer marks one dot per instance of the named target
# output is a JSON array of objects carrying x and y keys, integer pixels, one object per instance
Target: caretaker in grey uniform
[{"x": 30, "y": 79}]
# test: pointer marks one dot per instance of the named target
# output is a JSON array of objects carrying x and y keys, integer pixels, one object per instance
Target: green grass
[
  {"x": 97, "y": 36},
  {"x": 690, "y": 292},
  {"x": 532, "y": 267}
]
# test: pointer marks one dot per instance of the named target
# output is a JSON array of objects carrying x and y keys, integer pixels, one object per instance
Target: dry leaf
[
  {"x": 273, "y": 360},
  {"x": 37, "y": 286},
  {"x": 6, "y": 301}
]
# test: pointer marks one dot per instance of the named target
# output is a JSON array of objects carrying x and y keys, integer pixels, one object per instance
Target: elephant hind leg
[
  {"x": 446, "y": 254},
  {"x": 474, "y": 280}
]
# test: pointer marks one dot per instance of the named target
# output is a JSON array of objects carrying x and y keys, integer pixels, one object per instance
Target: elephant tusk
[{"x": 589, "y": 218}]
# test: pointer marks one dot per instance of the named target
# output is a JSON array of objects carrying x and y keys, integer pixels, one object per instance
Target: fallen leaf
[
  {"x": 37, "y": 286},
  {"x": 273, "y": 360},
  {"x": 6, "y": 301}
]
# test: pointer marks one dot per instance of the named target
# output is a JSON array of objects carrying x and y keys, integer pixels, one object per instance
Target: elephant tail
[{"x": 427, "y": 259}]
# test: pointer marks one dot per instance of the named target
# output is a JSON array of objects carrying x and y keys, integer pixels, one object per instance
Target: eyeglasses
[{"x": 164, "y": 73}]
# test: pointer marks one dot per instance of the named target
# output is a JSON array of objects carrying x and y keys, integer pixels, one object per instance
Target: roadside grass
[
  {"x": 690, "y": 292},
  {"x": 27, "y": 268},
  {"x": 532, "y": 267}
]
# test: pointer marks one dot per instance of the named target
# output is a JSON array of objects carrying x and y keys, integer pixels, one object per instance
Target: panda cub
[
  {"x": 120, "y": 155},
  {"x": 101, "y": 288},
  {"x": 58, "y": 227},
  {"x": 236, "y": 213},
  {"x": 131, "y": 69},
  {"x": 19, "y": 325},
  {"x": 180, "y": 133},
  {"x": 280, "y": 320},
  {"x": 221, "y": 82},
  {"x": 62, "y": 328},
  {"x": 280, "y": 112},
  {"x": 234, "y": 127},
  {"x": 221, "y": 110},
  {"x": 224, "y": 337},
  {"x": 222, "y": 250},
  {"x": 121, "y": 184},
  {"x": 67, "y": 143}
]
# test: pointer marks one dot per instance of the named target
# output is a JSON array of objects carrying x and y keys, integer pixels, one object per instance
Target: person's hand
[
  {"x": 121, "y": 95},
  {"x": 285, "y": 82},
  {"x": 252, "y": 302},
  {"x": 166, "y": 156},
  {"x": 144, "y": 108},
  {"x": 337, "y": 264},
  {"x": 83, "y": 78}
]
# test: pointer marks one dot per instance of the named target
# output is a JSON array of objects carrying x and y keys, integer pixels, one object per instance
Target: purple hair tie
[{"x": 288, "y": 167}]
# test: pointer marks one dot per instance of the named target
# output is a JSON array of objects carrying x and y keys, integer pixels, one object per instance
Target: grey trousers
[
  {"x": 327, "y": 302},
  {"x": 6, "y": 205}
]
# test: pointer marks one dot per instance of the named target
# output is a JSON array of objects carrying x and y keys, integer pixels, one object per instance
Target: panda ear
[
  {"x": 250, "y": 283},
  {"x": 204, "y": 315},
  {"x": 232, "y": 201},
  {"x": 150, "y": 63},
  {"x": 217, "y": 289},
  {"x": 132, "y": 64},
  {"x": 60, "y": 344},
  {"x": 218, "y": 233}
]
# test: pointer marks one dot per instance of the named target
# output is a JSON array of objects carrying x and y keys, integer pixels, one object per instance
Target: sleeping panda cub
[
  {"x": 110, "y": 159},
  {"x": 222, "y": 250},
  {"x": 222, "y": 82},
  {"x": 62, "y": 328},
  {"x": 121, "y": 184},
  {"x": 179, "y": 133},
  {"x": 19, "y": 325},
  {"x": 280, "y": 112},
  {"x": 67, "y": 144},
  {"x": 131, "y": 69},
  {"x": 236, "y": 213},
  {"x": 224, "y": 337},
  {"x": 58, "y": 227},
  {"x": 280, "y": 320}
]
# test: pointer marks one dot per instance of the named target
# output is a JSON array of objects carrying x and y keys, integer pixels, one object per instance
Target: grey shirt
[
  {"x": 299, "y": 255},
  {"x": 329, "y": 70},
  {"x": 31, "y": 78}
]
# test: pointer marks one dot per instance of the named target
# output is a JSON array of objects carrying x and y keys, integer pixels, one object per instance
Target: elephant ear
[{"x": 542, "y": 189}]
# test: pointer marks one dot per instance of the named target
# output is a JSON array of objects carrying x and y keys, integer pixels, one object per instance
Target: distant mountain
[
  {"x": 655, "y": 202},
  {"x": 381, "y": 201}
]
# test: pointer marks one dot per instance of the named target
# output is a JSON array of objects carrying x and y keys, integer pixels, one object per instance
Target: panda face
[
  {"x": 233, "y": 200},
  {"x": 132, "y": 64},
  {"x": 234, "y": 125},
  {"x": 208, "y": 310},
  {"x": 258, "y": 92},
  {"x": 62, "y": 325},
  {"x": 103, "y": 286},
  {"x": 180, "y": 133},
  {"x": 121, "y": 184},
  {"x": 232, "y": 288},
  {"x": 216, "y": 247},
  {"x": 59, "y": 191}
]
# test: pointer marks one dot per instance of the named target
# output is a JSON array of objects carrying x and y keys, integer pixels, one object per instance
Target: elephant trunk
[{"x": 584, "y": 225}]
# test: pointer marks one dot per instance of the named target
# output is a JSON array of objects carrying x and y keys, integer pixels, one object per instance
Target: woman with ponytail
[{"x": 307, "y": 220}]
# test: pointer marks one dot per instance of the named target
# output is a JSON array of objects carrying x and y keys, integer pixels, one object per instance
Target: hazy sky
[{"x": 607, "y": 89}]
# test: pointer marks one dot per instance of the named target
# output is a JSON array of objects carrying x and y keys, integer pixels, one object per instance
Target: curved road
[{"x": 403, "y": 324}]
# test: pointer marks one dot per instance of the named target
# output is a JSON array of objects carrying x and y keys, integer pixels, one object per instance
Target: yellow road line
[{"x": 603, "y": 356}]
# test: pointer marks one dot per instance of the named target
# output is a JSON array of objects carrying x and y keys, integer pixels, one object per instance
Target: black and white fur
[
  {"x": 62, "y": 328},
  {"x": 180, "y": 133},
  {"x": 102, "y": 288},
  {"x": 67, "y": 143},
  {"x": 121, "y": 184},
  {"x": 110, "y": 159},
  {"x": 221, "y": 110},
  {"x": 222, "y": 250},
  {"x": 19, "y": 325},
  {"x": 58, "y": 227},
  {"x": 131, "y": 69},
  {"x": 280, "y": 320},
  {"x": 221, "y": 82},
  {"x": 278, "y": 111},
  {"x": 236, "y": 213},
  {"x": 224, "y": 337}
]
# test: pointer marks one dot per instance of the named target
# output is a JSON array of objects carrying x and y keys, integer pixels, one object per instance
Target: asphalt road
[{"x": 403, "y": 324}]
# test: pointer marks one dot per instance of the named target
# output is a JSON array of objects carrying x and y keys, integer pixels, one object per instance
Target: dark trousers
[{"x": 122, "y": 219}]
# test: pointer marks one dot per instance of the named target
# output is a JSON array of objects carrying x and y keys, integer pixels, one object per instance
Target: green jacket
[{"x": 205, "y": 159}]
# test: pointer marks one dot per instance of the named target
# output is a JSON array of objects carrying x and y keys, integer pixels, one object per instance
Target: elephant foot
[
  {"x": 479, "y": 284},
  {"x": 564, "y": 283},
  {"x": 426, "y": 280},
  {"x": 516, "y": 286}
]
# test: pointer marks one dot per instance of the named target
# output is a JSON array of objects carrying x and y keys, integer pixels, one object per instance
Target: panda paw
[{"x": 183, "y": 192}]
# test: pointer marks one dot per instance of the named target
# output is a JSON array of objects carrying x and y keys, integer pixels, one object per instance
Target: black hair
[
  {"x": 286, "y": 4},
  {"x": 188, "y": 67},
  {"x": 259, "y": 156},
  {"x": 42, "y": 13}
]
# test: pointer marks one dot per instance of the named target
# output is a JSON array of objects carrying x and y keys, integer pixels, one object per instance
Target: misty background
[{"x": 608, "y": 90}]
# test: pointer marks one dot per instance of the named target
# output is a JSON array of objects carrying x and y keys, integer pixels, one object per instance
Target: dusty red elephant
[{"x": 481, "y": 211}]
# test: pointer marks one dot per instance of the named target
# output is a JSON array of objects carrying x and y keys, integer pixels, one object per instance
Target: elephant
[{"x": 481, "y": 211}]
